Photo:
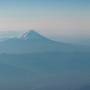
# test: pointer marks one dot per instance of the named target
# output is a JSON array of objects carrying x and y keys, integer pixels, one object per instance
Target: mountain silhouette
[
  {"x": 33, "y": 60},
  {"x": 32, "y": 35},
  {"x": 33, "y": 42}
]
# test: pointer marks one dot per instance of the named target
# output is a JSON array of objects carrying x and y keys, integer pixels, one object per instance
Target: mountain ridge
[
  {"x": 33, "y": 42},
  {"x": 35, "y": 36}
]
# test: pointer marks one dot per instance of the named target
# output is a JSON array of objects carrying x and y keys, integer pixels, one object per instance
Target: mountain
[
  {"x": 47, "y": 66},
  {"x": 32, "y": 35},
  {"x": 33, "y": 42}
]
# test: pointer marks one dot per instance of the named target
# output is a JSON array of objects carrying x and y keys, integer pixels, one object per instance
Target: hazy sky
[{"x": 65, "y": 18}]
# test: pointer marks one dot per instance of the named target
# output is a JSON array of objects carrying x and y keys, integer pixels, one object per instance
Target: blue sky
[{"x": 64, "y": 18}]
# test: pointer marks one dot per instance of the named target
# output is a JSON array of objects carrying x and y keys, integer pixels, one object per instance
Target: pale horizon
[{"x": 66, "y": 20}]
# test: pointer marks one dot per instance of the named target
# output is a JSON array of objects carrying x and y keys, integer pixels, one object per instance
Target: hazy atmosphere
[
  {"x": 44, "y": 44},
  {"x": 66, "y": 20}
]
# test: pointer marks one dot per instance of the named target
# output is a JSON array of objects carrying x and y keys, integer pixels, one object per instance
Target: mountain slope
[{"x": 33, "y": 42}]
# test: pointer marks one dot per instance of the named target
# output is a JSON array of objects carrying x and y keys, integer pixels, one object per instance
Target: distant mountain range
[
  {"x": 33, "y": 42},
  {"x": 34, "y": 62}
]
